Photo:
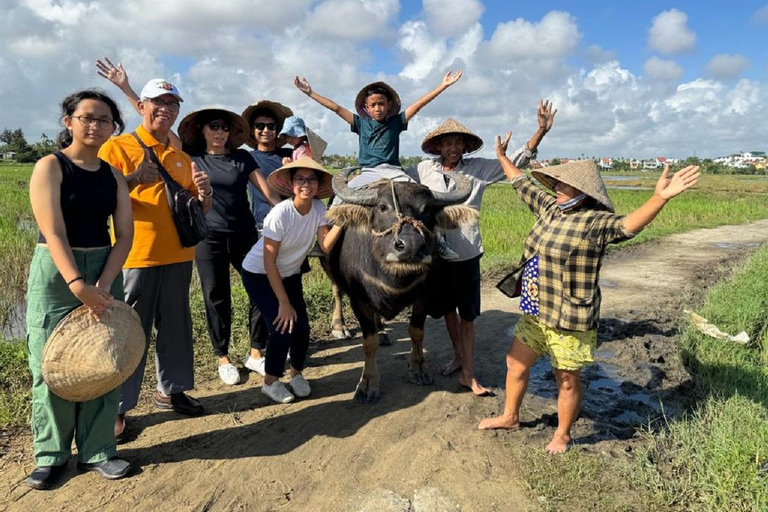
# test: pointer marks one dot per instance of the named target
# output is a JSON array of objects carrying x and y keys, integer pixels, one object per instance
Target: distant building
[
  {"x": 10, "y": 155},
  {"x": 605, "y": 163}
]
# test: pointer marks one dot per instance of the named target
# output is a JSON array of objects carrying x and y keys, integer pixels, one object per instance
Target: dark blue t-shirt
[
  {"x": 266, "y": 161},
  {"x": 379, "y": 141}
]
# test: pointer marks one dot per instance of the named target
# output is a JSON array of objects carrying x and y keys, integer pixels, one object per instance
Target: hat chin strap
[{"x": 572, "y": 203}]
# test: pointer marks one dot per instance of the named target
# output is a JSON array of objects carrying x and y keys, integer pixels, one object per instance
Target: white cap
[{"x": 157, "y": 87}]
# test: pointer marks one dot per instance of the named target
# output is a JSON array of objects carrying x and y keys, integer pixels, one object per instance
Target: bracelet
[
  {"x": 209, "y": 194},
  {"x": 78, "y": 278}
]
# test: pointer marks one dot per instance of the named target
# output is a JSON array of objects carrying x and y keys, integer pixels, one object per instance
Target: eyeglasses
[
  {"x": 298, "y": 180},
  {"x": 172, "y": 105},
  {"x": 268, "y": 126},
  {"x": 102, "y": 123},
  {"x": 219, "y": 126}
]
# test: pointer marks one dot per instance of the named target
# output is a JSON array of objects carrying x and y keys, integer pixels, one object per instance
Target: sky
[{"x": 630, "y": 79}]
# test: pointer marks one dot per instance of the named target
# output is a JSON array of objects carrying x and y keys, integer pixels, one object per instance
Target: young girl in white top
[{"x": 272, "y": 270}]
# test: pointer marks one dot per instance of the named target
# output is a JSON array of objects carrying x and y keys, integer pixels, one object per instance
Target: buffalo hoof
[
  {"x": 365, "y": 394},
  {"x": 421, "y": 378},
  {"x": 341, "y": 334},
  {"x": 384, "y": 340}
]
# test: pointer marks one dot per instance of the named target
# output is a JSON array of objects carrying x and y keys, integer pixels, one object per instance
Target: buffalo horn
[
  {"x": 363, "y": 197},
  {"x": 457, "y": 195}
]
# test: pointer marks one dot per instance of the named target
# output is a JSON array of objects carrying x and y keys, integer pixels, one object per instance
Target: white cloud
[
  {"x": 760, "y": 17},
  {"x": 597, "y": 55},
  {"x": 555, "y": 36},
  {"x": 662, "y": 70},
  {"x": 452, "y": 17},
  {"x": 727, "y": 67},
  {"x": 235, "y": 54},
  {"x": 352, "y": 19},
  {"x": 669, "y": 33}
]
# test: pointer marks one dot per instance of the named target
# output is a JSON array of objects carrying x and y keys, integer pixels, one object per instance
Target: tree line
[{"x": 15, "y": 141}]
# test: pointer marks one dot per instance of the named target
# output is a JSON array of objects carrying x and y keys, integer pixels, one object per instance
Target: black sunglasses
[
  {"x": 219, "y": 126},
  {"x": 268, "y": 126}
]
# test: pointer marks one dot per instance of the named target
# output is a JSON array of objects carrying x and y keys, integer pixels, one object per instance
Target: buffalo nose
[{"x": 399, "y": 245}]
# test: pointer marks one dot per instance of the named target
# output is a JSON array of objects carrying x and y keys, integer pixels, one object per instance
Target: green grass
[{"x": 709, "y": 461}]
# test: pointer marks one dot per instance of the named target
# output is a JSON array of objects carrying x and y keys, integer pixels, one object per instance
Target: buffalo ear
[
  {"x": 349, "y": 215},
  {"x": 455, "y": 216}
]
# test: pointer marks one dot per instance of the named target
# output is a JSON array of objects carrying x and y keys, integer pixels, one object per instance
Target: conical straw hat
[
  {"x": 280, "y": 179},
  {"x": 451, "y": 126},
  {"x": 84, "y": 358},
  {"x": 394, "y": 107},
  {"x": 191, "y": 127},
  {"x": 581, "y": 174},
  {"x": 280, "y": 112}
]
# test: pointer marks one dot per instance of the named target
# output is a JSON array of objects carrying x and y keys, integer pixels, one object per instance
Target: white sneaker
[
  {"x": 257, "y": 365},
  {"x": 277, "y": 392},
  {"x": 229, "y": 374},
  {"x": 300, "y": 386}
]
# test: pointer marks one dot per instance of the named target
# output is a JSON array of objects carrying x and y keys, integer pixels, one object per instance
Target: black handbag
[
  {"x": 186, "y": 209},
  {"x": 512, "y": 284}
]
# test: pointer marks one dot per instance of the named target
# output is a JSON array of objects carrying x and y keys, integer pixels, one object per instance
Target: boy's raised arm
[
  {"x": 448, "y": 80},
  {"x": 331, "y": 105}
]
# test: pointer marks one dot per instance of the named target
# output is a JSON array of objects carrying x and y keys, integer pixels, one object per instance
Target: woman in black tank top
[{"x": 73, "y": 195}]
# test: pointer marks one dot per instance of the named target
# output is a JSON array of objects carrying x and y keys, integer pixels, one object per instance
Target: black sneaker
[
  {"x": 44, "y": 477},
  {"x": 111, "y": 469},
  {"x": 179, "y": 402}
]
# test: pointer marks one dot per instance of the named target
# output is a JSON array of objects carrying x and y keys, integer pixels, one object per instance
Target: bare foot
[
  {"x": 453, "y": 366},
  {"x": 119, "y": 425},
  {"x": 477, "y": 388},
  {"x": 505, "y": 422},
  {"x": 559, "y": 444}
]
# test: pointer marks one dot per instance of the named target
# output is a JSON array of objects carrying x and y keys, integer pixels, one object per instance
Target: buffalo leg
[
  {"x": 367, "y": 390},
  {"x": 384, "y": 340},
  {"x": 417, "y": 372},
  {"x": 338, "y": 326}
]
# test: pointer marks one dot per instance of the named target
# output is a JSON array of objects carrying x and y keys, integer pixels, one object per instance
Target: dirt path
[{"x": 416, "y": 450}]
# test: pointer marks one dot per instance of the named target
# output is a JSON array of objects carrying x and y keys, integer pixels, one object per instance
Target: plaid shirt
[{"x": 570, "y": 246}]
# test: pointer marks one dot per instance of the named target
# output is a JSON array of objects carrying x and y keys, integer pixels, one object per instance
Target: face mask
[{"x": 572, "y": 203}]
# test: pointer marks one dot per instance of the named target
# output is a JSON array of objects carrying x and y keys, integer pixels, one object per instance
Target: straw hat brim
[
  {"x": 450, "y": 126},
  {"x": 316, "y": 144},
  {"x": 280, "y": 179},
  {"x": 580, "y": 174},
  {"x": 280, "y": 112},
  {"x": 190, "y": 128},
  {"x": 394, "y": 109},
  {"x": 84, "y": 358}
]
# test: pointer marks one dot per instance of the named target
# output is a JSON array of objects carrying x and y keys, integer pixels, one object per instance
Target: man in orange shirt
[{"x": 158, "y": 270}]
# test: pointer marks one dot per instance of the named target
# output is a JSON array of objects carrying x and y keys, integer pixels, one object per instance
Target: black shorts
[{"x": 456, "y": 285}]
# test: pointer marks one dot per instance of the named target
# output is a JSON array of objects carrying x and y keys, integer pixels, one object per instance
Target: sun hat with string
[
  {"x": 279, "y": 111},
  {"x": 85, "y": 358},
  {"x": 191, "y": 127},
  {"x": 280, "y": 179},
  {"x": 580, "y": 174},
  {"x": 394, "y": 107}
]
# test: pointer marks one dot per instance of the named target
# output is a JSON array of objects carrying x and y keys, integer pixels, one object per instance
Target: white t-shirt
[{"x": 294, "y": 231}]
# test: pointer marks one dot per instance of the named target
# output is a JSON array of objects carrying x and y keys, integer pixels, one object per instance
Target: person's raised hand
[
  {"x": 668, "y": 187},
  {"x": 545, "y": 115},
  {"x": 115, "y": 74},
  {"x": 502, "y": 145},
  {"x": 303, "y": 85},
  {"x": 450, "y": 79}
]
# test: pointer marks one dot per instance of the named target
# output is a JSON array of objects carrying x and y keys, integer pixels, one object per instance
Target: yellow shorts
[{"x": 568, "y": 350}]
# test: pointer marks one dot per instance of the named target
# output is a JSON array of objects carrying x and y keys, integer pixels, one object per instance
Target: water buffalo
[{"x": 383, "y": 259}]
